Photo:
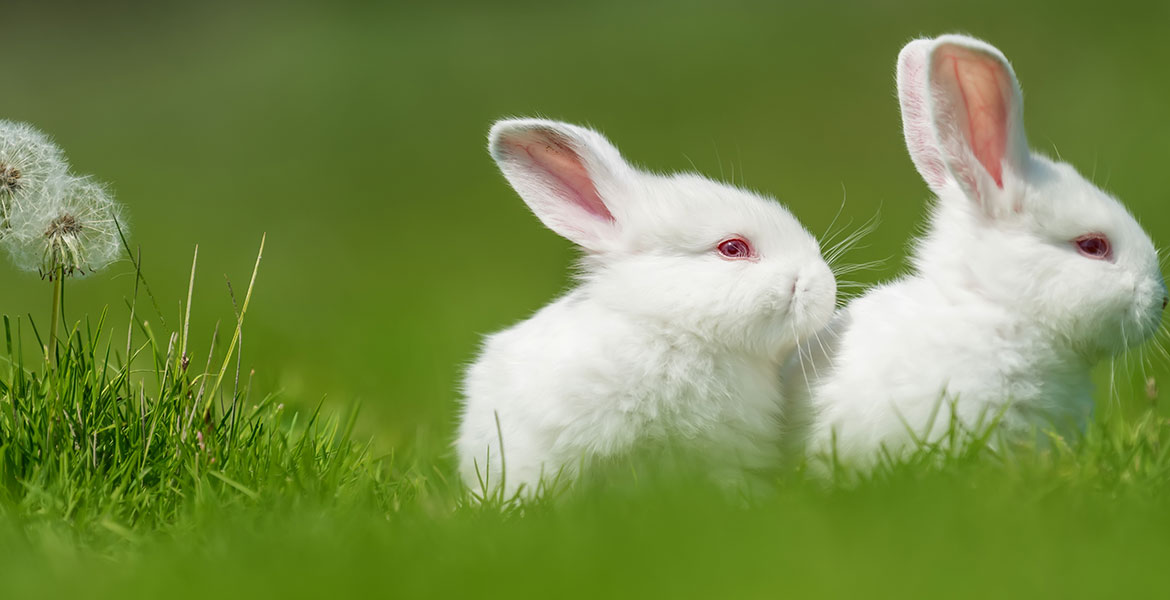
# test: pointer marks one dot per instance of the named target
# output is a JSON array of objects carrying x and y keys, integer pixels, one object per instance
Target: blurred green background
[{"x": 353, "y": 133}]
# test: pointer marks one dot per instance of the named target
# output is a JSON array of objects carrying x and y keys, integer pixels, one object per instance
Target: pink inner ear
[
  {"x": 564, "y": 165},
  {"x": 983, "y": 87}
]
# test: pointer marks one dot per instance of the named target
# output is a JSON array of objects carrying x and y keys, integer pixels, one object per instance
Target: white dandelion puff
[
  {"x": 31, "y": 165},
  {"x": 75, "y": 232}
]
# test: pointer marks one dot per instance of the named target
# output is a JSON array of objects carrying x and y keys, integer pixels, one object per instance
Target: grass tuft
[{"x": 124, "y": 437}]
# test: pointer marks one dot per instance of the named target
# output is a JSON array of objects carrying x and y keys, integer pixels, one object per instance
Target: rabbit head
[
  {"x": 1028, "y": 233},
  {"x": 679, "y": 252}
]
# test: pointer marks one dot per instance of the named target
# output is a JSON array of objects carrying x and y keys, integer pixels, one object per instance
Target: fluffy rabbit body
[
  {"x": 692, "y": 294},
  {"x": 1027, "y": 276}
]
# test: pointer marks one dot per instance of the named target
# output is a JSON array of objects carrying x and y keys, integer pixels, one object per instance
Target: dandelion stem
[{"x": 54, "y": 316}]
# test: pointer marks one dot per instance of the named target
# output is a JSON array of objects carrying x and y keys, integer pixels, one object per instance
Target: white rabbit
[
  {"x": 692, "y": 294},
  {"x": 1027, "y": 276}
]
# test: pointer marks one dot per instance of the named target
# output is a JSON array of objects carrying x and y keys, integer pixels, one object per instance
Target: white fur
[
  {"x": 662, "y": 340},
  {"x": 1000, "y": 315}
]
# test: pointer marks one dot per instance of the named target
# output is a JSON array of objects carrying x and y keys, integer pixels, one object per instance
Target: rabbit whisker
[
  {"x": 850, "y": 241},
  {"x": 840, "y": 209},
  {"x": 800, "y": 358},
  {"x": 839, "y": 270}
]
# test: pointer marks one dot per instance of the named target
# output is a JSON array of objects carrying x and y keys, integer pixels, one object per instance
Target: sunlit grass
[
  {"x": 142, "y": 470},
  {"x": 129, "y": 434}
]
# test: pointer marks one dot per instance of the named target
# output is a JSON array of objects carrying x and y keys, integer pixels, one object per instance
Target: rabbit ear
[
  {"x": 917, "y": 125},
  {"x": 962, "y": 113},
  {"x": 569, "y": 176}
]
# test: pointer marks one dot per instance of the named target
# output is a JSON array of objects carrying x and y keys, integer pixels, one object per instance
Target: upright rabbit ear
[
  {"x": 962, "y": 114},
  {"x": 917, "y": 125},
  {"x": 569, "y": 176}
]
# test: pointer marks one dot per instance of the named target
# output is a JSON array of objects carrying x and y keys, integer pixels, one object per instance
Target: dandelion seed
[
  {"x": 30, "y": 167},
  {"x": 74, "y": 233}
]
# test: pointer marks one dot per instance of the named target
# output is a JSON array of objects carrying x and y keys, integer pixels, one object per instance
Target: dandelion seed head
[
  {"x": 31, "y": 166},
  {"x": 9, "y": 179},
  {"x": 74, "y": 231}
]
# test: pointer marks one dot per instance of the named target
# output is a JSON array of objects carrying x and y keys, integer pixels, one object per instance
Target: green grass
[
  {"x": 167, "y": 475},
  {"x": 124, "y": 434}
]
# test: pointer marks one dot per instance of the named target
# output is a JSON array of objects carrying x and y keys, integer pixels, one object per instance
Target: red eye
[
  {"x": 1094, "y": 245},
  {"x": 735, "y": 248}
]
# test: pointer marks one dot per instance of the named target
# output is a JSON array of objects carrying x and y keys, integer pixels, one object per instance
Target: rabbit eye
[
  {"x": 1094, "y": 245},
  {"x": 735, "y": 249}
]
